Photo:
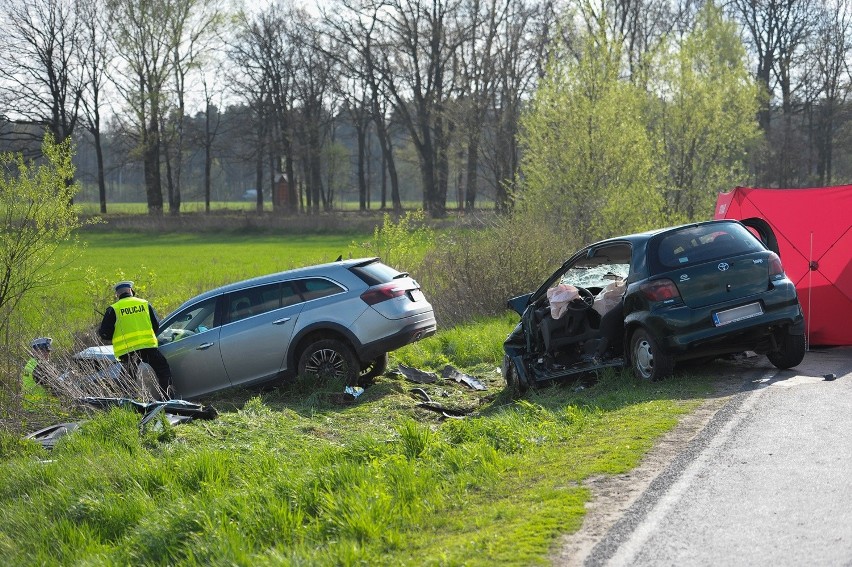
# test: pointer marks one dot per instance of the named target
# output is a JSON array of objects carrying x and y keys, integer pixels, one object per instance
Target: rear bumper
[
  {"x": 423, "y": 327},
  {"x": 683, "y": 331}
]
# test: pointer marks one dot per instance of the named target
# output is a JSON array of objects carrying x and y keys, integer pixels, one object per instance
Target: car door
[
  {"x": 257, "y": 335},
  {"x": 190, "y": 342},
  {"x": 764, "y": 232}
]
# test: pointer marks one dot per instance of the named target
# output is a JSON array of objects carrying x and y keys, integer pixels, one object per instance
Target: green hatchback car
[{"x": 652, "y": 299}]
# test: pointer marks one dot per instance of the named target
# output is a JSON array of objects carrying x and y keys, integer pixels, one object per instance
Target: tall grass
[{"x": 278, "y": 481}]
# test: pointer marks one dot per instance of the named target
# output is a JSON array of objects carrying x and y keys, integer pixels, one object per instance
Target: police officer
[
  {"x": 132, "y": 326},
  {"x": 36, "y": 368}
]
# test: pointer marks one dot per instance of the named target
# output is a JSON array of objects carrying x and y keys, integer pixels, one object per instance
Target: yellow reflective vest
[
  {"x": 29, "y": 368},
  {"x": 133, "y": 330}
]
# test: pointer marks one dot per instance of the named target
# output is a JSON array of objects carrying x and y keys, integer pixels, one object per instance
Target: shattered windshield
[{"x": 594, "y": 276}]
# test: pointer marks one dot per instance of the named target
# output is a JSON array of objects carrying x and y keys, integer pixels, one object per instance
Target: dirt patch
[{"x": 613, "y": 495}]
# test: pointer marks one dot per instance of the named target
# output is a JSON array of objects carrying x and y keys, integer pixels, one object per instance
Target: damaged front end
[{"x": 542, "y": 349}]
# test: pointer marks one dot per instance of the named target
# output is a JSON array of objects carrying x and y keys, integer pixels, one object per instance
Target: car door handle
[
  {"x": 281, "y": 321},
  {"x": 204, "y": 346}
]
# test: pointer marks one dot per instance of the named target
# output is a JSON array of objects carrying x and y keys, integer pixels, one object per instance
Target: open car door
[{"x": 764, "y": 232}]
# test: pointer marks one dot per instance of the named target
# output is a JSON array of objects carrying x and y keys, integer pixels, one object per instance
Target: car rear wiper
[{"x": 401, "y": 275}]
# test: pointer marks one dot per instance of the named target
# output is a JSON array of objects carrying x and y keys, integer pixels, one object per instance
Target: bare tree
[
  {"x": 829, "y": 80},
  {"x": 95, "y": 58},
  {"x": 207, "y": 138},
  {"x": 521, "y": 47},
  {"x": 156, "y": 40},
  {"x": 194, "y": 29},
  {"x": 263, "y": 55},
  {"x": 775, "y": 30},
  {"x": 314, "y": 76},
  {"x": 477, "y": 60},
  {"x": 144, "y": 44},
  {"x": 40, "y": 78},
  {"x": 357, "y": 24},
  {"x": 416, "y": 50}
]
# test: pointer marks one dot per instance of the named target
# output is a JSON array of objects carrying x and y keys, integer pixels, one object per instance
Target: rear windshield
[
  {"x": 375, "y": 273},
  {"x": 697, "y": 244}
]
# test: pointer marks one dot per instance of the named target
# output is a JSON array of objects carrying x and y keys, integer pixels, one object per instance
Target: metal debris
[
  {"x": 451, "y": 373},
  {"x": 418, "y": 376},
  {"x": 431, "y": 405}
]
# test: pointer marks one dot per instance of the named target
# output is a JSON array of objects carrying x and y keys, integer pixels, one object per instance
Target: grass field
[
  {"x": 170, "y": 268},
  {"x": 286, "y": 476}
]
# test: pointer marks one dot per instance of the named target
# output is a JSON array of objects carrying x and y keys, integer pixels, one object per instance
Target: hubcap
[
  {"x": 644, "y": 358},
  {"x": 326, "y": 364}
]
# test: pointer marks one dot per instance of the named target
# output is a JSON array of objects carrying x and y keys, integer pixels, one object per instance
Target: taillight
[
  {"x": 383, "y": 292},
  {"x": 660, "y": 290},
  {"x": 776, "y": 270}
]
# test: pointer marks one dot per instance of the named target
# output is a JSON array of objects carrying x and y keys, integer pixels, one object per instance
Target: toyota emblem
[{"x": 723, "y": 267}]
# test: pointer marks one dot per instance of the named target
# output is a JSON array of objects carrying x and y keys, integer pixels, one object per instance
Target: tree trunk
[
  {"x": 151, "y": 163},
  {"x": 361, "y": 131},
  {"x": 472, "y": 171},
  {"x": 99, "y": 152}
]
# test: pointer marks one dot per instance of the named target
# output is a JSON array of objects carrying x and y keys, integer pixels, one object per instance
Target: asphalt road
[{"x": 768, "y": 481}]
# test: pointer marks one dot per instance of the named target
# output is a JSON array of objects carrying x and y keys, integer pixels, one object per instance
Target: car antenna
[{"x": 339, "y": 258}]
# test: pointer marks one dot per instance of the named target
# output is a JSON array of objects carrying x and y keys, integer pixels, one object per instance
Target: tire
[
  {"x": 375, "y": 368},
  {"x": 647, "y": 360},
  {"x": 513, "y": 381},
  {"x": 791, "y": 352},
  {"x": 330, "y": 360}
]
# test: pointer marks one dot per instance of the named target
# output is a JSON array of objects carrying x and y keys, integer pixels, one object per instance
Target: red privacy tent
[{"x": 814, "y": 232}]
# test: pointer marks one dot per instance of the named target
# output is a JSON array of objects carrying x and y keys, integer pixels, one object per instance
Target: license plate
[
  {"x": 737, "y": 314},
  {"x": 416, "y": 295}
]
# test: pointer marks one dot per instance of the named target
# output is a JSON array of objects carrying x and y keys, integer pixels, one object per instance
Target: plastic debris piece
[
  {"x": 416, "y": 375},
  {"x": 421, "y": 393},
  {"x": 451, "y": 373},
  {"x": 48, "y": 436},
  {"x": 445, "y": 411},
  {"x": 354, "y": 391}
]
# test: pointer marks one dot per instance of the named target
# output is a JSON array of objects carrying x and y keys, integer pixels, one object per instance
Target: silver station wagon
[{"x": 337, "y": 321}]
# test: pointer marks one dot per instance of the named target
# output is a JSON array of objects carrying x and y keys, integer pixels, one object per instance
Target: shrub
[
  {"x": 37, "y": 224},
  {"x": 399, "y": 244},
  {"x": 473, "y": 273}
]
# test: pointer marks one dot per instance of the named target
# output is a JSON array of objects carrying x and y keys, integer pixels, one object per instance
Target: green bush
[{"x": 472, "y": 274}]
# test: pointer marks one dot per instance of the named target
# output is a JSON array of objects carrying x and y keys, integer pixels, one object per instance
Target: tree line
[{"x": 349, "y": 92}]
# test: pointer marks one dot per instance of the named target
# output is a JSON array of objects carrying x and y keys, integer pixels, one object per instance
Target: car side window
[
  {"x": 289, "y": 294},
  {"x": 253, "y": 301},
  {"x": 194, "y": 319},
  {"x": 315, "y": 288}
]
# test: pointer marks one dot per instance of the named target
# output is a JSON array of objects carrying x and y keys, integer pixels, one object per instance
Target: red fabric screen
[{"x": 812, "y": 225}]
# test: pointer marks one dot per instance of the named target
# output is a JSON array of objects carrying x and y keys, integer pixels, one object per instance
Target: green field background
[{"x": 168, "y": 269}]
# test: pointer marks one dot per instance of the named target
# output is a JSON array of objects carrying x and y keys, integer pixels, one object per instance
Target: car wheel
[
  {"x": 791, "y": 351},
  {"x": 513, "y": 381},
  {"x": 376, "y": 367},
  {"x": 330, "y": 360},
  {"x": 648, "y": 361}
]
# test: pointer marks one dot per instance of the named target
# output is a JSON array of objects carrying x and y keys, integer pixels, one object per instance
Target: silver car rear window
[{"x": 375, "y": 273}]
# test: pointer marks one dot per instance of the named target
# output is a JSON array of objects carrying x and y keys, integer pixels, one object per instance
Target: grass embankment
[{"x": 286, "y": 476}]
